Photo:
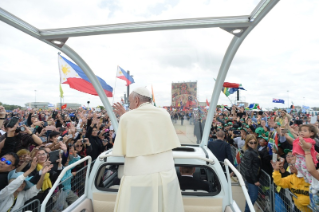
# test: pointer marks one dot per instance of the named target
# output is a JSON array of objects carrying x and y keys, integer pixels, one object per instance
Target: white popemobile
[{"x": 102, "y": 183}]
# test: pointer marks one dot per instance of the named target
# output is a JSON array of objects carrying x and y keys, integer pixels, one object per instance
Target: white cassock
[{"x": 145, "y": 138}]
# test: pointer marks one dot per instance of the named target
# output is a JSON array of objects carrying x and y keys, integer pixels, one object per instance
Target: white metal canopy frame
[{"x": 239, "y": 26}]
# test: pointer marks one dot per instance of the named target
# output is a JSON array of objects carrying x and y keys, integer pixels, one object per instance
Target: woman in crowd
[
  {"x": 252, "y": 163},
  {"x": 50, "y": 177}
]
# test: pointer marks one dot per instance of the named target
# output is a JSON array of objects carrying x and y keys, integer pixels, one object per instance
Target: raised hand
[
  {"x": 118, "y": 108},
  {"x": 34, "y": 163},
  {"x": 63, "y": 146},
  {"x": 46, "y": 169}
]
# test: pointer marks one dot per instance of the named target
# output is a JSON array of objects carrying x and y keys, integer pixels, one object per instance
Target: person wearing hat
[
  {"x": 146, "y": 137},
  {"x": 19, "y": 190}
]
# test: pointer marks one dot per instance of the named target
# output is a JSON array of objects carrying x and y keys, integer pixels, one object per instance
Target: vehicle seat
[{"x": 120, "y": 173}]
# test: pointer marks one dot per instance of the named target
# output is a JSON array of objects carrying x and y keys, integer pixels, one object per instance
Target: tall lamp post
[{"x": 35, "y": 98}]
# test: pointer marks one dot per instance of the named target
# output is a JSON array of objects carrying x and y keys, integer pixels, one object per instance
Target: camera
[
  {"x": 19, "y": 129},
  {"x": 60, "y": 138}
]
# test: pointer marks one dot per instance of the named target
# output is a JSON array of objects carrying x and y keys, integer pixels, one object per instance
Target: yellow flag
[
  {"x": 61, "y": 91},
  {"x": 153, "y": 97}
]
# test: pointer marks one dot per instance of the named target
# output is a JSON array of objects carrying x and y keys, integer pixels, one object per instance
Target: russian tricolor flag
[
  {"x": 121, "y": 74},
  {"x": 74, "y": 76}
]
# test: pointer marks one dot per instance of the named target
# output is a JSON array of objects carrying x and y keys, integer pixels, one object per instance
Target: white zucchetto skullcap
[{"x": 143, "y": 92}]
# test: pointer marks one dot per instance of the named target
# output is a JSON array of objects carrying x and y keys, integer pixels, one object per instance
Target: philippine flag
[
  {"x": 74, "y": 76},
  {"x": 121, "y": 74}
]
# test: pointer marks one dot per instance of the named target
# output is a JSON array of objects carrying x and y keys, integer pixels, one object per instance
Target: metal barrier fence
[
  {"x": 33, "y": 206},
  {"x": 270, "y": 197},
  {"x": 68, "y": 187}
]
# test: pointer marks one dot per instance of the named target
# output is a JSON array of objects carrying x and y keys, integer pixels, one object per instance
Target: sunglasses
[
  {"x": 8, "y": 162},
  {"x": 78, "y": 145},
  {"x": 253, "y": 142}
]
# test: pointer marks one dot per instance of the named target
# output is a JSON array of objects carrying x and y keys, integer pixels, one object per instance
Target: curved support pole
[
  {"x": 95, "y": 82},
  {"x": 228, "y": 58}
]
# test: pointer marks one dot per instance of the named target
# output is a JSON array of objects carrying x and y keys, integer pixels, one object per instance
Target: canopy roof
[{"x": 238, "y": 26}]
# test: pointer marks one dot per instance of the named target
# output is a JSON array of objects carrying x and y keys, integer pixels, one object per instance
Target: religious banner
[{"x": 184, "y": 94}]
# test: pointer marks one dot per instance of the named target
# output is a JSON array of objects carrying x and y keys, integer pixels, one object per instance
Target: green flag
[{"x": 61, "y": 91}]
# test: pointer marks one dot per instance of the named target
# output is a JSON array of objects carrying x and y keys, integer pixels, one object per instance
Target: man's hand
[
  {"x": 257, "y": 183},
  {"x": 118, "y": 109}
]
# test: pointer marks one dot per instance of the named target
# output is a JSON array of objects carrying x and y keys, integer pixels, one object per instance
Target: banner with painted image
[{"x": 184, "y": 94}]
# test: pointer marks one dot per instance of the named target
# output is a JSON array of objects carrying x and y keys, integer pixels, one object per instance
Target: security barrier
[
  {"x": 69, "y": 186},
  {"x": 270, "y": 197},
  {"x": 33, "y": 206}
]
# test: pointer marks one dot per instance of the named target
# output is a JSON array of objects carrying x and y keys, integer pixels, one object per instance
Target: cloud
[{"x": 279, "y": 55}]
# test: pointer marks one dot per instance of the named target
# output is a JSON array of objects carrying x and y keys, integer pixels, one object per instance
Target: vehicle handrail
[
  {"x": 194, "y": 157},
  {"x": 175, "y": 157},
  {"x": 241, "y": 183},
  {"x": 57, "y": 182},
  {"x": 106, "y": 155}
]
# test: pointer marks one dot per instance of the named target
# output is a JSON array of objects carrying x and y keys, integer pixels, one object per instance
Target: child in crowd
[{"x": 307, "y": 133}]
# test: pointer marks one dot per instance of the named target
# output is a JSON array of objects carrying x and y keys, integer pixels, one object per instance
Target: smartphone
[
  {"x": 284, "y": 131},
  {"x": 70, "y": 136},
  {"x": 13, "y": 121},
  {"x": 274, "y": 157},
  {"x": 53, "y": 157},
  {"x": 79, "y": 130},
  {"x": 54, "y": 114}
]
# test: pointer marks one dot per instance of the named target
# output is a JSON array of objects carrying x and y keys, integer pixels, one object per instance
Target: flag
[
  {"x": 233, "y": 85},
  {"x": 237, "y": 159},
  {"x": 207, "y": 103},
  {"x": 121, "y": 74},
  {"x": 153, "y": 97},
  {"x": 278, "y": 101},
  {"x": 273, "y": 141},
  {"x": 73, "y": 75},
  {"x": 226, "y": 91},
  {"x": 254, "y": 106},
  {"x": 50, "y": 105},
  {"x": 61, "y": 91},
  {"x": 63, "y": 106}
]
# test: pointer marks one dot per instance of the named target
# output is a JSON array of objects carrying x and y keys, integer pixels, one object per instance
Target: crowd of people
[
  {"x": 35, "y": 149},
  {"x": 292, "y": 162},
  {"x": 35, "y": 145}
]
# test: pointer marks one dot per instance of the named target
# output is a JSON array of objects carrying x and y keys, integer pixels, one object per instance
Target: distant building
[
  {"x": 42, "y": 105},
  {"x": 69, "y": 105}
]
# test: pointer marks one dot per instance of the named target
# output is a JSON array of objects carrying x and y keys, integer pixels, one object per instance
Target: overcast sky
[{"x": 280, "y": 54}]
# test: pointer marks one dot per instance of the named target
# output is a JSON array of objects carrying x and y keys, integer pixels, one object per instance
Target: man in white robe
[{"x": 145, "y": 138}]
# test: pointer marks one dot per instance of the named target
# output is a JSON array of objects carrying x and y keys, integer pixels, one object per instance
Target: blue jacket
[{"x": 221, "y": 150}]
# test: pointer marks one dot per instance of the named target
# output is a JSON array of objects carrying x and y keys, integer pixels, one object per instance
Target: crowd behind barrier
[{"x": 42, "y": 143}]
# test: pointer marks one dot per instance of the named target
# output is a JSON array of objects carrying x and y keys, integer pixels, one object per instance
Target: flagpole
[
  {"x": 59, "y": 53},
  {"x": 128, "y": 88},
  {"x": 114, "y": 89}
]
